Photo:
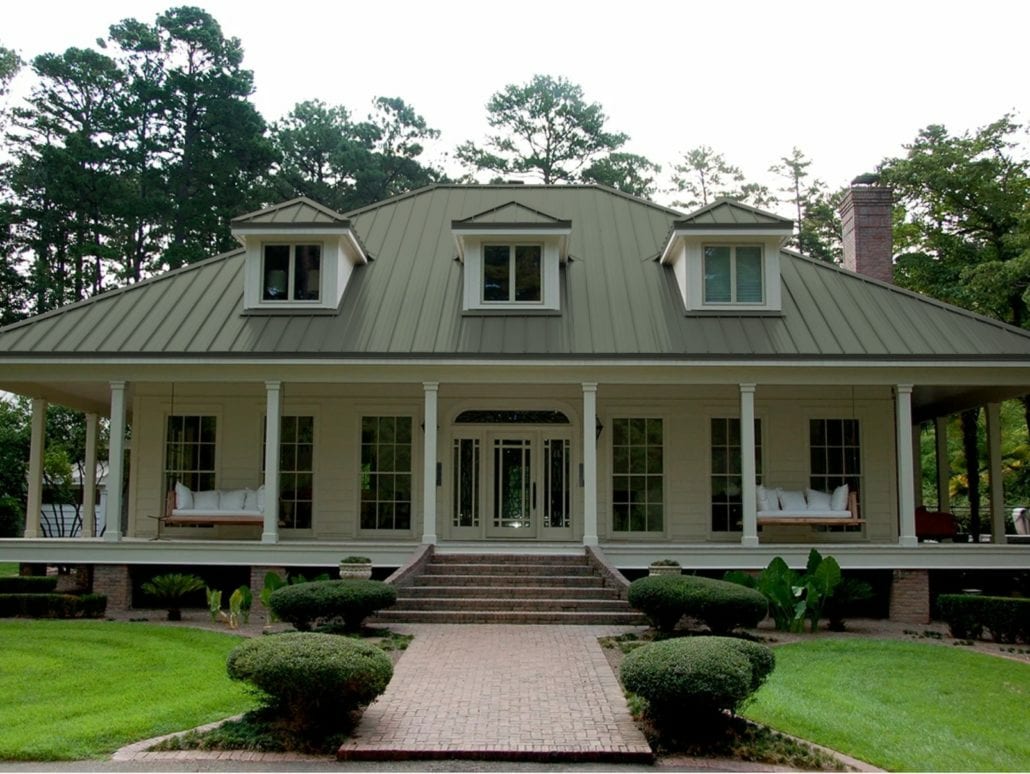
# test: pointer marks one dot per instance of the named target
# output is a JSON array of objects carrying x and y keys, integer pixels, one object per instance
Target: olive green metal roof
[
  {"x": 729, "y": 212},
  {"x": 299, "y": 211},
  {"x": 617, "y": 301}
]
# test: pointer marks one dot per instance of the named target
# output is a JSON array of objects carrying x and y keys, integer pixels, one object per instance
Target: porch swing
[{"x": 185, "y": 508}]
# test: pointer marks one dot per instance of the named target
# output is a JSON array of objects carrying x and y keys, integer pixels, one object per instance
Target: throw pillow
[
  {"x": 232, "y": 500},
  {"x": 791, "y": 500},
  {"x": 206, "y": 501},
  {"x": 817, "y": 501},
  {"x": 839, "y": 499},
  {"x": 183, "y": 497}
]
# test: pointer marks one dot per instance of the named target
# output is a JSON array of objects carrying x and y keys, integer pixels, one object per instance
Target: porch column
[
  {"x": 115, "y": 459},
  {"x": 430, "y": 391},
  {"x": 940, "y": 425},
  {"x": 748, "y": 495},
  {"x": 994, "y": 472},
  {"x": 273, "y": 425},
  {"x": 34, "y": 504},
  {"x": 917, "y": 463},
  {"x": 590, "y": 463},
  {"x": 89, "y": 479},
  {"x": 906, "y": 488}
]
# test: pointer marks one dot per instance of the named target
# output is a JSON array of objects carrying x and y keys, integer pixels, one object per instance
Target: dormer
[
  {"x": 300, "y": 256},
  {"x": 511, "y": 256},
  {"x": 726, "y": 258}
]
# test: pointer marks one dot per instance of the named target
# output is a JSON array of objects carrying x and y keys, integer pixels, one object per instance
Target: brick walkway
[{"x": 501, "y": 692}]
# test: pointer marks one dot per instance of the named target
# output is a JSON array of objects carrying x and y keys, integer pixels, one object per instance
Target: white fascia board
[
  {"x": 536, "y": 232},
  {"x": 285, "y": 232},
  {"x": 669, "y": 252},
  {"x": 352, "y": 247}
]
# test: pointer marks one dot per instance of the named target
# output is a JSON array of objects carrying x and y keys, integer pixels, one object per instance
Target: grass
[
  {"x": 902, "y": 706},
  {"x": 81, "y": 689},
  {"x": 7, "y": 569}
]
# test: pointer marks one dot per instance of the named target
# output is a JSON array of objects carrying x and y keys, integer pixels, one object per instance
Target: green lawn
[
  {"x": 8, "y": 568},
  {"x": 902, "y": 706},
  {"x": 82, "y": 689}
]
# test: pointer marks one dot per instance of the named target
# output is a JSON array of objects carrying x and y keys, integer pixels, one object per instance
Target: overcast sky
[{"x": 847, "y": 82}]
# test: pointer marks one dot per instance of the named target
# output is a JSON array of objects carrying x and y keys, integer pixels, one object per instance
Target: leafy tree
[
  {"x": 546, "y": 129},
  {"x": 627, "y": 172},
  {"x": 818, "y": 228},
  {"x": 704, "y": 175}
]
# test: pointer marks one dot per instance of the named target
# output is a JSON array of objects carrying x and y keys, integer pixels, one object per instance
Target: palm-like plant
[{"x": 170, "y": 589}]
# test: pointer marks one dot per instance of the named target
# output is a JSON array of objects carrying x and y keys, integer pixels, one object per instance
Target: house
[{"x": 520, "y": 369}]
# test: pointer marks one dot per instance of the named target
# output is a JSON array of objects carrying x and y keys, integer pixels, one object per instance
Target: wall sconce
[{"x": 598, "y": 426}]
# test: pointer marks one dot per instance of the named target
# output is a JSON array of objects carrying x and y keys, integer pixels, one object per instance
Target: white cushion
[
  {"x": 183, "y": 496},
  {"x": 839, "y": 498},
  {"x": 817, "y": 501},
  {"x": 807, "y": 514},
  {"x": 207, "y": 501},
  {"x": 767, "y": 500},
  {"x": 792, "y": 500},
  {"x": 260, "y": 496},
  {"x": 232, "y": 500},
  {"x": 250, "y": 502}
]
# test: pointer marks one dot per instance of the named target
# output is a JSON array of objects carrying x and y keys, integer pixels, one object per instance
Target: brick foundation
[
  {"x": 113, "y": 581},
  {"x": 910, "y": 596},
  {"x": 257, "y": 582}
]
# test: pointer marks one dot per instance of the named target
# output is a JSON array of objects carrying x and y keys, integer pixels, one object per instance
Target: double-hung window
[
  {"x": 190, "y": 451},
  {"x": 727, "y": 476},
  {"x": 512, "y": 273},
  {"x": 386, "y": 472},
  {"x": 733, "y": 274},
  {"x": 638, "y": 480},
  {"x": 836, "y": 454},
  {"x": 291, "y": 272},
  {"x": 296, "y": 470}
]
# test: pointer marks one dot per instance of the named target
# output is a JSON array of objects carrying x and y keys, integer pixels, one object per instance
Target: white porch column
[
  {"x": 590, "y": 463},
  {"x": 748, "y": 495},
  {"x": 940, "y": 425},
  {"x": 89, "y": 479},
  {"x": 917, "y": 463},
  {"x": 906, "y": 486},
  {"x": 115, "y": 459},
  {"x": 34, "y": 504},
  {"x": 273, "y": 426},
  {"x": 994, "y": 472},
  {"x": 429, "y": 440}
]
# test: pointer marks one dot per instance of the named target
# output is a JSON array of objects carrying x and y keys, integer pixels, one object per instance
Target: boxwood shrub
[
  {"x": 1006, "y": 618},
  {"x": 310, "y": 680},
  {"x": 692, "y": 676},
  {"x": 52, "y": 605},
  {"x": 305, "y": 604},
  {"x": 28, "y": 584},
  {"x": 721, "y": 605}
]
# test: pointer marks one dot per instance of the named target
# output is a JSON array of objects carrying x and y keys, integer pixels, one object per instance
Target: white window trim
[
  {"x": 511, "y": 301},
  {"x": 388, "y": 410},
  {"x": 291, "y": 277},
  {"x": 475, "y": 276},
  {"x": 716, "y": 534},
  {"x": 733, "y": 275}
]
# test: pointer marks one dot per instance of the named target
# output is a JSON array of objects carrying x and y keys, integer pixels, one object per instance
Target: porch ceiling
[{"x": 938, "y": 400}]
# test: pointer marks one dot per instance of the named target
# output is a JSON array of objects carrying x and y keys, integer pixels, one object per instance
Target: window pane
[
  {"x": 717, "y": 275},
  {"x": 496, "y": 280},
  {"x": 385, "y": 476},
  {"x": 307, "y": 262},
  {"x": 527, "y": 272},
  {"x": 276, "y": 273},
  {"x": 749, "y": 275},
  {"x": 637, "y": 499}
]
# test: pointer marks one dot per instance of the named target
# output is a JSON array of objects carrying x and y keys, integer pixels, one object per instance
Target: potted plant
[
  {"x": 359, "y": 567},
  {"x": 169, "y": 590},
  {"x": 664, "y": 567}
]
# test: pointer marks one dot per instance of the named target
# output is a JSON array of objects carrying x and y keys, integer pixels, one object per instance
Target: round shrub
[
  {"x": 311, "y": 680},
  {"x": 696, "y": 675},
  {"x": 721, "y": 605},
  {"x": 304, "y": 604}
]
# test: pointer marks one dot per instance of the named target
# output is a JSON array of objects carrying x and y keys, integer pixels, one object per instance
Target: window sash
[
  {"x": 296, "y": 470},
  {"x": 190, "y": 449},
  {"x": 291, "y": 272},
  {"x": 733, "y": 274},
  {"x": 835, "y": 454},
  {"x": 512, "y": 273},
  {"x": 386, "y": 473},
  {"x": 638, "y": 477},
  {"x": 726, "y": 476}
]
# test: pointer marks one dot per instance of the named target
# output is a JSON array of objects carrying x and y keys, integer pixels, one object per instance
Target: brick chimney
[{"x": 865, "y": 216}]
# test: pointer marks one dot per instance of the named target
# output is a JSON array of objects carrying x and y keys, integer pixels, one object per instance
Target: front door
[{"x": 513, "y": 507}]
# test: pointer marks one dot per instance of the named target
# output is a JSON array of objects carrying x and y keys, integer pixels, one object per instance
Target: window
[
  {"x": 386, "y": 472},
  {"x": 727, "y": 480},
  {"x": 637, "y": 475},
  {"x": 466, "y": 482},
  {"x": 296, "y": 469},
  {"x": 835, "y": 451},
  {"x": 190, "y": 452},
  {"x": 733, "y": 274},
  {"x": 291, "y": 273},
  {"x": 557, "y": 487},
  {"x": 512, "y": 273}
]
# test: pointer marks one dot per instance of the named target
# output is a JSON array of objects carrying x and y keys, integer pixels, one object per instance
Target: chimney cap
[{"x": 869, "y": 178}]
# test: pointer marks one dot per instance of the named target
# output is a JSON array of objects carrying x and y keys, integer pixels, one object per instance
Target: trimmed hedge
[
  {"x": 1006, "y": 618},
  {"x": 304, "y": 604},
  {"x": 311, "y": 680},
  {"x": 28, "y": 584},
  {"x": 52, "y": 605},
  {"x": 691, "y": 675},
  {"x": 721, "y": 605}
]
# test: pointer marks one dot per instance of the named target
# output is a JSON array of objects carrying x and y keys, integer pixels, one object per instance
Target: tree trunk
[{"x": 971, "y": 450}]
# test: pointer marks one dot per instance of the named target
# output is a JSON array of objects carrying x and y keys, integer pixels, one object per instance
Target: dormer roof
[
  {"x": 301, "y": 212},
  {"x": 726, "y": 217},
  {"x": 512, "y": 219}
]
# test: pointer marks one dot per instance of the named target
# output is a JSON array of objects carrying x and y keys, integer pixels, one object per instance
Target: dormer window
[
  {"x": 291, "y": 273},
  {"x": 512, "y": 273},
  {"x": 300, "y": 257},
  {"x": 733, "y": 274},
  {"x": 726, "y": 259},
  {"x": 512, "y": 257}
]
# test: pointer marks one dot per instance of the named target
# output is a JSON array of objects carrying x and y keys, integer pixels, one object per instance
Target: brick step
[
  {"x": 462, "y": 604},
  {"x": 439, "y": 558},
  {"x": 508, "y": 569},
  {"x": 509, "y": 617},
  {"x": 511, "y": 592},
  {"x": 575, "y": 581}
]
